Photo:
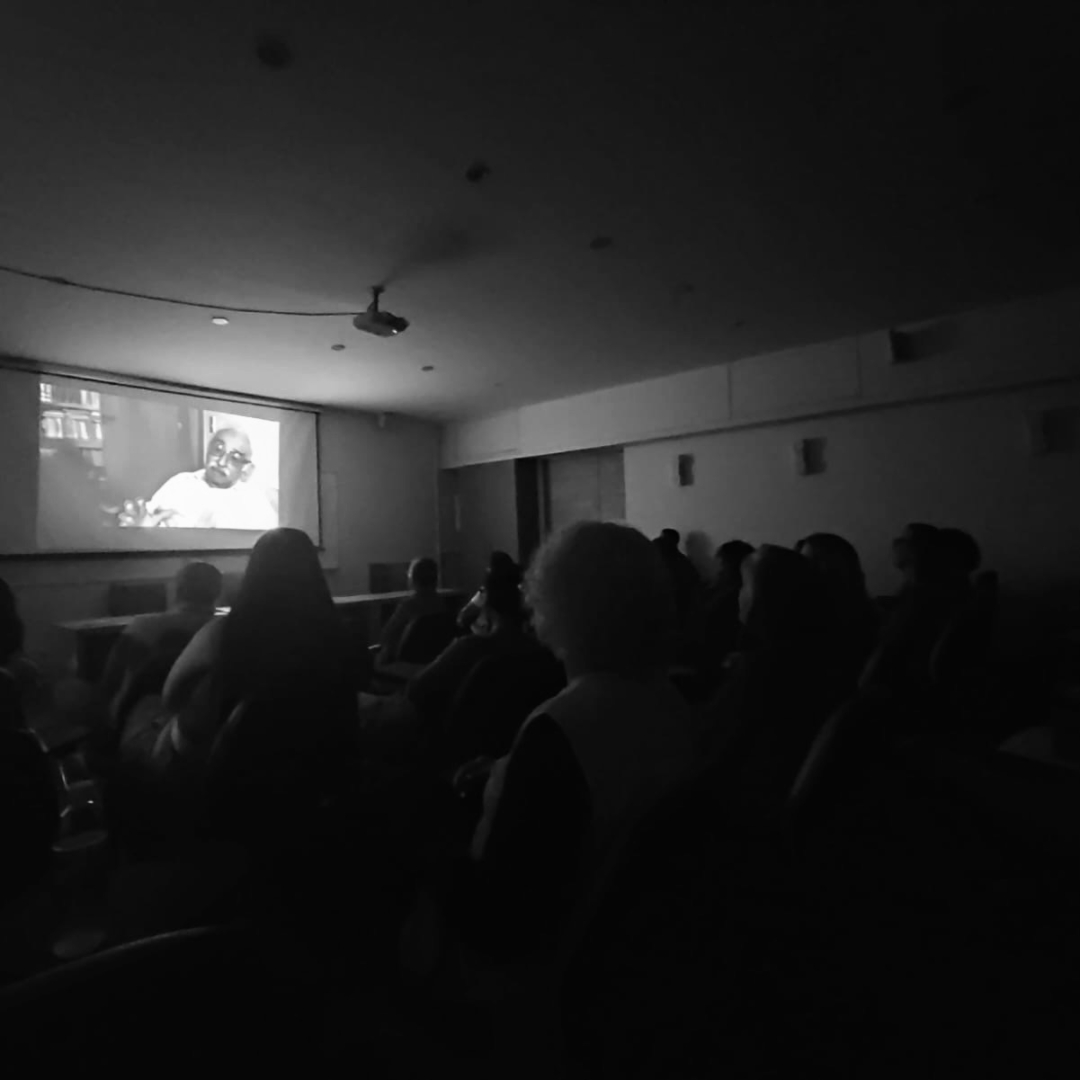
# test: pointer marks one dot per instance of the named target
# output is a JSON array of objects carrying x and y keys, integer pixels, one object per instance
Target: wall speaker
[
  {"x": 809, "y": 456},
  {"x": 684, "y": 470},
  {"x": 924, "y": 342}
]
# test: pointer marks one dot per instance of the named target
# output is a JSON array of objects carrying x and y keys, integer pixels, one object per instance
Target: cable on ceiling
[{"x": 55, "y": 279}]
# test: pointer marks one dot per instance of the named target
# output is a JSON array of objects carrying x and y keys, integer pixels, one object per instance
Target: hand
[{"x": 134, "y": 514}]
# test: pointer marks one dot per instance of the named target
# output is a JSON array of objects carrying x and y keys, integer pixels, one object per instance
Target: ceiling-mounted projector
[{"x": 376, "y": 321}]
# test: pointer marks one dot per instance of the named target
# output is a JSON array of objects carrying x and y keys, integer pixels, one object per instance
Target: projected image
[{"x": 115, "y": 461}]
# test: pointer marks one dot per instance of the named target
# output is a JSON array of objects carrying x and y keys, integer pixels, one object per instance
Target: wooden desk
[{"x": 365, "y": 614}]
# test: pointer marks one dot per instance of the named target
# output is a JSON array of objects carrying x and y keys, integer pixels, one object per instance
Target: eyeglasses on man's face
[{"x": 217, "y": 452}]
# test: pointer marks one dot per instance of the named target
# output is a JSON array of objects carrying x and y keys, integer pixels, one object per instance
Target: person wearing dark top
[
  {"x": 588, "y": 763},
  {"x": 934, "y": 590},
  {"x": 685, "y": 580},
  {"x": 282, "y": 640},
  {"x": 500, "y": 566},
  {"x": 11, "y": 643},
  {"x": 787, "y": 679},
  {"x": 856, "y": 620},
  {"x": 425, "y": 600},
  {"x": 961, "y": 552},
  {"x": 715, "y": 632},
  {"x": 151, "y": 640},
  {"x": 503, "y": 614},
  {"x": 916, "y": 552}
]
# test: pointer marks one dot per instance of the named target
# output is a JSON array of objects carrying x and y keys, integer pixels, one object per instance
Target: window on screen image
[{"x": 223, "y": 494}]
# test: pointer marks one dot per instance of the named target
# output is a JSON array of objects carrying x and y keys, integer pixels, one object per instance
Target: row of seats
[{"x": 693, "y": 878}]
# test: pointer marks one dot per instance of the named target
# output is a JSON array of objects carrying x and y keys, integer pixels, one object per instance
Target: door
[{"x": 585, "y": 486}]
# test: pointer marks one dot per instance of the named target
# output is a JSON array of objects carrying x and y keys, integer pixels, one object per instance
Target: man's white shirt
[{"x": 197, "y": 505}]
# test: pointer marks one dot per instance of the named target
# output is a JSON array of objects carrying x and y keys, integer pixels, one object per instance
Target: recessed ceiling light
[
  {"x": 219, "y": 320},
  {"x": 337, "y": 348},
  {"x": 428, "y": 367}
]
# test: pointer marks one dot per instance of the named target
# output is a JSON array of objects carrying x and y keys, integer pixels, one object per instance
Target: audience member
[
  {"x": 787, "y": 680},
  {"x": 157, "y": 639},
  {"x": 11, "y": 643},
  {"x": 917, "y": 553},
  {"x": 589, "y": 762},
  {"x": 685, "y": 580},
  {"x": 729, "y": 560},
  {"x": 503, "y": 619},
  {"x": 960, "y": 552},
  {"x": 856, "y": 621},
  {"x": 499, "y": 566},
  {"x": 715, "y": 631},
  {"x": 425, "y": 600},
  {"x": 935, "y": 587},
  {"x": 282, "y": 639}
]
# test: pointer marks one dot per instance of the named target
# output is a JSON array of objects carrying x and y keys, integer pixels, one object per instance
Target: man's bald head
[{"x": 228, "y": 458}]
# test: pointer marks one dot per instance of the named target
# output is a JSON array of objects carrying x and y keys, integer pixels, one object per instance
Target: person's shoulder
[
  {"x": 183, "y": 481},
  {"x": 209, "y": 633}
]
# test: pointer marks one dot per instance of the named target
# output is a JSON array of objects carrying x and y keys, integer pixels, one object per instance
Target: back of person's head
[
  {"x": 960, "y": 552},
  {"x": 670, "y": 539},
  {"x": 198, "y": 585},
  {"x": 917, "y": 553},
  {"x": 11, "y": 625},
  {"x": 502, "y": 565},
  {"x": 783, "y": 598},
  {"x": 601, "y": 599},
  {"x": 283, "y": 629},
  {"x": 424, "y": 575},
  {"x": 730, "y": 555},
  {"x": 838, "y": 562},
  {"x": 502, "y": 597}
]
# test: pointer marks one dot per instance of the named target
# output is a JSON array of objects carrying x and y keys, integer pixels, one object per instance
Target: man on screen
[{"x": 217, "y": 496}]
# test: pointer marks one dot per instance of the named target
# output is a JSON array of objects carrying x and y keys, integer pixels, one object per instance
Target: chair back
[
  {"x": 495, "y": 699},
  {"x": 29, "y": 811},
  {"x": 838, "y": 755},
  {"x": 966, "y": 640},
  {"x": 188, "y": 998},
  {"x": 425, "y": 637},
  {"x": 643, "y": 917},
  {"x": 1034, "y": 803},
  {"x": 273, "y": 765}
]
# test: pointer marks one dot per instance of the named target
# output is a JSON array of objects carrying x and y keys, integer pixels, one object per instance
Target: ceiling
[{"x": 769, "y": 174}]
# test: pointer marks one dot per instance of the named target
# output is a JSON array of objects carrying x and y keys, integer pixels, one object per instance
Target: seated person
[
  {"x": 716, "y": 627},
  {"x": 932, "y": 593},
  {"x": 282, "y": 637},
  {"x": 853, "y": 612},
  {"x": 962, "y": 553},
  {"x": 147, "y": 637},
  {"x": 788, "y": 678},
  {"x": 502, "y": 618},
  {"x": 588, "y": 763},
  {"x": 685, "y": 580},
  {"x": 425, "y": 600},
  {"x": 11, "y": 643},
  {"x": 500, "y": 565}
]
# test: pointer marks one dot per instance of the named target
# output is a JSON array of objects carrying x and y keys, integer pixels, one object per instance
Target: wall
[
  {"x": 586, "y": 486},
  {"x": 941, "y": 438},
  {"x": 379, "y": 506},
  {"x": 1016, "y": 344},
  {"x": 966, "y": 463},
  {"x": 480, "y": 517}
]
